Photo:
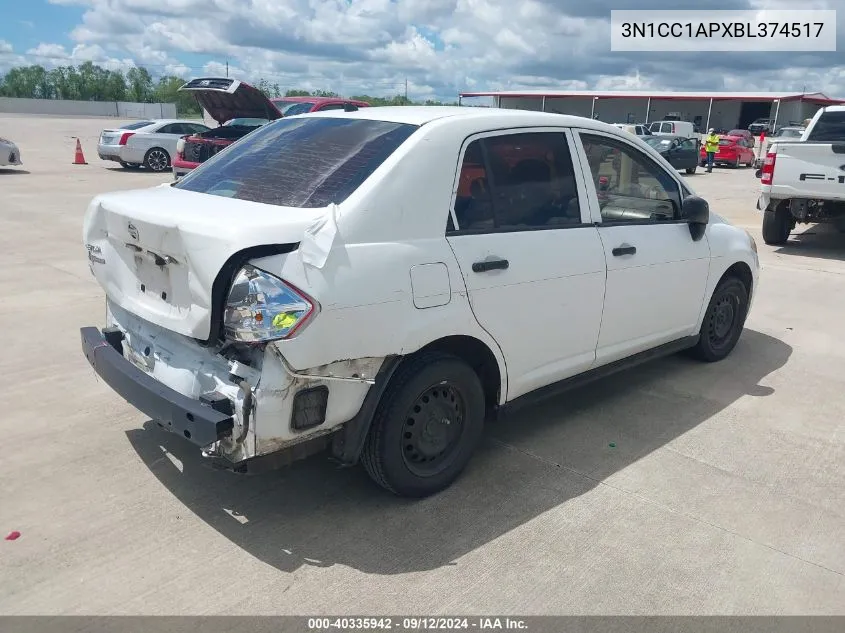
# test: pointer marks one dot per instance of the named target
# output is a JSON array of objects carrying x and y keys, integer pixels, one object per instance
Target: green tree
[
  {"x": 167, "y": 91},
  {"x": 140, "y": 85}
]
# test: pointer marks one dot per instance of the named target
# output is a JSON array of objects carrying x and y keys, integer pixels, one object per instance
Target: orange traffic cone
[{"x": 79, "y": 158}]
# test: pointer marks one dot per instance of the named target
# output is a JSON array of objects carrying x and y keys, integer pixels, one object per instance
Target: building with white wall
[{"x": 720, "y": 110}]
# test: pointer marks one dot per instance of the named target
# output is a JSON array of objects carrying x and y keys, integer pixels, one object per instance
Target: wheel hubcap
[
  {"x": 158, "y": 161},
  {"x": 431, "y": 429},
  {"x": 722, "y": 322}
]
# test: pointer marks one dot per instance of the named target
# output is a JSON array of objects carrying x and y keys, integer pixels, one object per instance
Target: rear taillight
[
  {"x": 768, "y": 169},
  {"x": 262, "y": 307},
  {"x": 125, "y": 137}
]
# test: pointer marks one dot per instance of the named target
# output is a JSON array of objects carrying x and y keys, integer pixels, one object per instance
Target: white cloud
[{"x": 438, "y": 46}]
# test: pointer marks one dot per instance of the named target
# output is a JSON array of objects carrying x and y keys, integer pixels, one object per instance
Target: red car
[
  {"x": 748, "y": 136},
  {"x": 733, "y": 151},
  {"x": 239, "y": 109},
  {"x": 289, "y": 106}
]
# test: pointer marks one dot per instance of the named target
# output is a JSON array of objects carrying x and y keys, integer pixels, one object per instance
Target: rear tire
[
  {"x": 157, "y": 160},
  {"x": 723, "y": 321},
  {"x": 691, "y": 170},
  {"x": 426, "y": 427},
  {"x": 777, "y": 225}
]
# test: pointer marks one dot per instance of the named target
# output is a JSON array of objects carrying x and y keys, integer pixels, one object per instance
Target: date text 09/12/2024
[{"x": 416, "y": 623}]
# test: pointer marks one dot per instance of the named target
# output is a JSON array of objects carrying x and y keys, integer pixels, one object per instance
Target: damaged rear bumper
[{"x": 195, "y": 420}]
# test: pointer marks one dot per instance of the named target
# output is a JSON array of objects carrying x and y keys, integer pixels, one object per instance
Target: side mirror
[{"x": 696, "y": 212}]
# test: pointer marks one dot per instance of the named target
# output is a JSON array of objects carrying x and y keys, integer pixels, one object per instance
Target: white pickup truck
[{"x": 803, "y": 180}]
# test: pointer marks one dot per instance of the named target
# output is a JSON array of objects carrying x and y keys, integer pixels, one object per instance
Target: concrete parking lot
[{"x": 675, "y": 488}]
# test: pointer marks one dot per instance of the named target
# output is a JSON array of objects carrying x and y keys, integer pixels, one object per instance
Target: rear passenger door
[
  {"x": 656, "y": 273},
  {"x": 529, "y": 253}
]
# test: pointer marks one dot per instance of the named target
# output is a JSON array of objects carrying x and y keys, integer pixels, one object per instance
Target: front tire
[
  {"x": 157, "y": 160},
  {"x": 723, "y": 321},
  {"x": 426, "y": 426},
  {"x": 777, "y": 225}
]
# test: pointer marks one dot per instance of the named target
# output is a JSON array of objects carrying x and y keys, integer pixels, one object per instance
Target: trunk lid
[
  {"x": 111, "y": 137},
  {"x": 225, "y": 99},
  {"x": 157, "y": 252}
]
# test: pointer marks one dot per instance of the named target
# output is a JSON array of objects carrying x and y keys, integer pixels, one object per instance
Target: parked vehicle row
[
  {"x": 151, "y": 144},
  {"x": 347, "y": 283}
]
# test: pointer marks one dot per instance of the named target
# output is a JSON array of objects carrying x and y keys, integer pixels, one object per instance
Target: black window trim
[
  {"x": 453, "y": 221},
  {"x": 682, "y": 190}
]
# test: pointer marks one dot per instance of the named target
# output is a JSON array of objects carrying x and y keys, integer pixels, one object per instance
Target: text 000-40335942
[{"x": 712, "y": 31}]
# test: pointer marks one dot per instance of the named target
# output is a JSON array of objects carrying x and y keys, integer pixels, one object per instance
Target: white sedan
[
  {"x": 379, "y": 283},
  {"x": 148, "y": 143},
  {"x": 9, "y": 153}
]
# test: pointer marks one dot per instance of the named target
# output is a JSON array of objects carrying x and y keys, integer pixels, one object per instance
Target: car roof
[{"x": 485, "y": 117}]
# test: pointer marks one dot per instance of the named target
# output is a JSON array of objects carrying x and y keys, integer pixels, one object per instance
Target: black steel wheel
[
  {"x": 723, "y": 321},
  {"x": 157, "y": 159},
  {"x": 691, "y": 170},
  {"x": 426, "y": 426}
]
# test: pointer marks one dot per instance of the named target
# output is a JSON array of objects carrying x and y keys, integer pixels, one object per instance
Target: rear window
[
  {"x": 737, "y": 133},
  {"x": 726, "y": 141},
  {"x": 305, "y": 162},
  {"x": 829, "y": 128},
  {"x": 136, "y": 126},
  {"x": 289, "y": 108}
]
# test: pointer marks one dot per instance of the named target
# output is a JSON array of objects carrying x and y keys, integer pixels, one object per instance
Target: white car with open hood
[{"x": 377, "y": 284}]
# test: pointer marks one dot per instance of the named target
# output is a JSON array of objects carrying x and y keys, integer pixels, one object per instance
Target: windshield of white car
[
  {"x": 300, "y": 162},
  {"x": 245, "y": 122},
  {"x": 289, "y": 108},
  {"x": 136, "y": 126}
]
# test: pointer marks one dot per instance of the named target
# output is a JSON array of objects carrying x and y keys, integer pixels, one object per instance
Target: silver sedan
[{"x": 149, "y": 143}]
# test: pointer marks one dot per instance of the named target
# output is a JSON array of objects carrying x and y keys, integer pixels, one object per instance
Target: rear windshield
[
  {"x": 726, "y": 141},
  {"x": 136, "y": 126},
  {"x": 829, "y": 128},
  {"x": 736, "y": 133},
  {"x": 305, "y": 162},
  {"x": 289, "y": 108}
]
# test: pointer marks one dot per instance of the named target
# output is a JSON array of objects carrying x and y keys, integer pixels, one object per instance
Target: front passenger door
[{"x": 656, "y": 273}]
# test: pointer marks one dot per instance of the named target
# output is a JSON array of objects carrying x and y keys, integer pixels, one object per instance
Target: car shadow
[
  {"x": 12, "y": 171},
  {"x": 821, "y": 241},
  {"x": 530, "y": 462}
]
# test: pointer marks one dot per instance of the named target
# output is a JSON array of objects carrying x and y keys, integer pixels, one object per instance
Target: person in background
[{"x": 711, "y": 146}]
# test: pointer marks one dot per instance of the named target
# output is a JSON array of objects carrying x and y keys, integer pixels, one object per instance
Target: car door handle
[
  {"x": 624, "y": 250},
  {"x": 490, "y": 264}
]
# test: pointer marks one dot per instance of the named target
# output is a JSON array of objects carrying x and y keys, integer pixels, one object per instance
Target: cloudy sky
[{"x": 440, "y": 47}]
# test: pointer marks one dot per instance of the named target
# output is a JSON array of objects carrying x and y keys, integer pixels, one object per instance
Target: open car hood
[{"x": 225, "y": 99}]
